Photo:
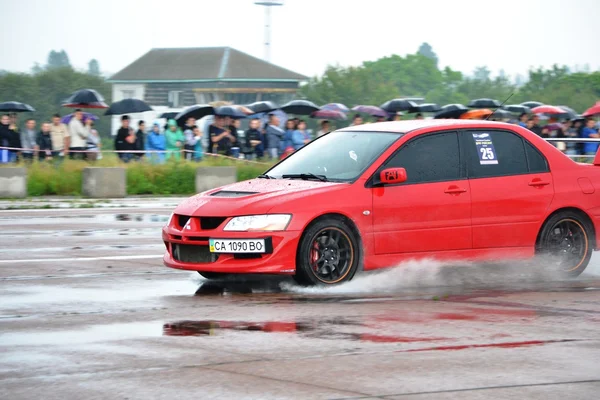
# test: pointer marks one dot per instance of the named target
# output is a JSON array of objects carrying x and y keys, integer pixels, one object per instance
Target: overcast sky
[{"x": 513, "y": 35}]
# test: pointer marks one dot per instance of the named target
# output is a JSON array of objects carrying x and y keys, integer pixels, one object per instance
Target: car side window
[
  {"x": 431, "y": 158},
  {"x": 494, "y": 153},
  {"x": 536, "y": 161}
]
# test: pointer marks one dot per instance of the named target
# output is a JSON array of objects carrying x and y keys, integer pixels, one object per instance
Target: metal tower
[{"x": 268, "y": 4}]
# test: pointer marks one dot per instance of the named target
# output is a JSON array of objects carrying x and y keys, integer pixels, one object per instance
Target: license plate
[{"x": 237, "y": 245}]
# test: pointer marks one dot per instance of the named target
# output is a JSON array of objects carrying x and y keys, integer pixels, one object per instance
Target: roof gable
[{"x": 204, "y": 63}]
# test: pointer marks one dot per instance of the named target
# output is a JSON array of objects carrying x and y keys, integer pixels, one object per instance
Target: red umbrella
[
  {"x": 548, "y": 110},
  {"x": 593, "y": 110},
  {"x": 329, "y": 114}
]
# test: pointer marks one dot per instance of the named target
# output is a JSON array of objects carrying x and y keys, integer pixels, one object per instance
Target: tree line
[
  {"x": 418, "y": 75},
  {"x": 48, "y": 85}
]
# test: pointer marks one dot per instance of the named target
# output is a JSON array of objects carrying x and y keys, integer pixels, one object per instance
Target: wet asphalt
[{"x": 87, "y": 311}]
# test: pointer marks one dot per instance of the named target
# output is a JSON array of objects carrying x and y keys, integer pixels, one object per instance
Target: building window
[
  {"x": 175, "y": 98},
  {"x": 127, "y": 94}
]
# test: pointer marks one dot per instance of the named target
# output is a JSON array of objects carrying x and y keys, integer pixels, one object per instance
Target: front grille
[
  {"x": 208, "y": 223},
  {"x": 182, "y": 220},
  {"x": 193, "y": 253}
]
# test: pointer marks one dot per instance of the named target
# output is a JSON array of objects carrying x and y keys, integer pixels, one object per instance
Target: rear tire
[
  {"x": 567, "y": 238},
  {"x": 328, "y": 253},
  {"x": 214, "y": 275}
]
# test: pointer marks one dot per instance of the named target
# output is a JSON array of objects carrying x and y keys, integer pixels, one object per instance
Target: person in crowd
[
  {"x": 523, "y": 120},
  {"x": 123, "y": 142},
  {"x": 590, "y": 149},
  {"x": 570, "y": 131},
  {"x": 234, "y": 127},
  {"x": 6, "y": 156},
  {"x": 175, "y": 140},
  {"x": 189, "y": 145},
  {"x": 15, "y": 139},
  {"x": 301, "y": 136},
  {"x": 139, "y": 140},
  {"x": 156, "y": 144},
  {"x": 28, "y": 140},
  {"x": 251, "y": 139},
  {"x": 221, "y": 138},
  {"x": 286, "y": 142},
  {"x": 60, "y": 137},
  {"x": 192, "y": 136},
  {"x": 325, "y": 128},
  {"x": 198, "y": 149},
  {"x": 93, "y": 144},
  {"x": 274, "y": 137},
  {"x": 419, "y": 116},
  {"x": 44, "y": 143},
  {"x": 536, "y": 128},
  {"x": 79, "y": 133},
  {"x": 578, "y": 125},
  {"x": 356, "y": 120}
]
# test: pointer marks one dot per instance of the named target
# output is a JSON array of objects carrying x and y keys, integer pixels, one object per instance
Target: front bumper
[{"x": 282, "y": 260}]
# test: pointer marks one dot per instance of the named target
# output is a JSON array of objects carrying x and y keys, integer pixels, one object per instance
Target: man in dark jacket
[
  {"x": 124, "y": 141},
  {"x": 140, "y": 139},
  {"x": 252, "y": 138},
  {"x": 4, "y": 139},
  {"x": 44, "y": 142}
]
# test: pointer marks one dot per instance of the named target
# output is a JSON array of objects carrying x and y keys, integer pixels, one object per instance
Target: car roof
[{"x": 411, "y": 125}]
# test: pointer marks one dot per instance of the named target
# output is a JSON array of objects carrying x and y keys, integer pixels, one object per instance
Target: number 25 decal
[{"x": 487, "y": 154}]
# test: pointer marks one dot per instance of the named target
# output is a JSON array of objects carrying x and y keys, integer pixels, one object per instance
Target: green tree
[
  {"x": 46, "y": 90},
  {"x": 58, "y": 59},
  {"x": 427, "y": 51},
  {"x": 94, "y": 67}
]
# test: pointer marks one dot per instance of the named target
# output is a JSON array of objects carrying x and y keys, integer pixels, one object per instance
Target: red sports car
[{"x": 372, "y": 196}]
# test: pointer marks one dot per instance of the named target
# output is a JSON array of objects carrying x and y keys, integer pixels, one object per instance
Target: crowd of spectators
[{"x": 54, "y": 140}]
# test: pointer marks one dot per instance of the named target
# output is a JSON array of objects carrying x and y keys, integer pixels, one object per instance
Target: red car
[{"x": 372, "y": 196}]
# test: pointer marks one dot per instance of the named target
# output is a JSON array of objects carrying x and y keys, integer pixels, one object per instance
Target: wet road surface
[{"x": 88, "y": 311}]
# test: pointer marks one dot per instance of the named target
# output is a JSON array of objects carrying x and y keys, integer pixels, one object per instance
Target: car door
[
  {"x": 511, "y": 188},
  {"x": 431, "y": 211}
]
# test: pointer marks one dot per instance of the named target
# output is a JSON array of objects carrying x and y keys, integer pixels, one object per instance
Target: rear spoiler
[{"x": 597, "y": 158}]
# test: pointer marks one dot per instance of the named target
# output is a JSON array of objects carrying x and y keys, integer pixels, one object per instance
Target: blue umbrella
[
  {"x": 335, "y": 107},
  {"x": 67, "y": 118}
]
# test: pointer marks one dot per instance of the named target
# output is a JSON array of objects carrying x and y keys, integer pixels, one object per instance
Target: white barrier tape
[{"x": 136, "y": 152}]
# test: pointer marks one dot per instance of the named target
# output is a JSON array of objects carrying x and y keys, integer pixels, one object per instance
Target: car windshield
[{"x": 338, "y": 156}]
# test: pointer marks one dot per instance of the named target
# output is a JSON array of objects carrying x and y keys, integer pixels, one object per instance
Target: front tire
[
  {"x": 328, "y": 253},
  {"x": 568, "y": 239}
]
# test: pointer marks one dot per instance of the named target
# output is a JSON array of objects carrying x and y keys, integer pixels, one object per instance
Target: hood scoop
[{"x": 231, "y": 193}]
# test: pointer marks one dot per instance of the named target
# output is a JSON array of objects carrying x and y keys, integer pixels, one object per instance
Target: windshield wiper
[
  {"x": 306, "y": 176},
  {"x": 265, "y": 176}
]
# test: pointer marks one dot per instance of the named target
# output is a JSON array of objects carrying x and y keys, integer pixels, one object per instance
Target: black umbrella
[
  {"x": 451, "y": 111},
  {"x": 396, "y": 105},
  {"x": 229, "y": 111},
  {"x": 425, "y": 107},
  {"x": 501, "y": 114},
  {"x": 532, "y": 104},
  {"x": 517, "y": 108},
  {"x": 263, "y": 107},
  {"x": 300, "y": 107},
  {"x": 196, "y": 111},
  {"x": 484, "y": 103},
  {"x": 418, "y": 100},
  {"x": 569, "y": 114},
  {"x": 127, "y": 106},
  {"x": 15, "y": 107},
  {"x": 169, "y": 114},
  {"x": 85, "y": 98}
]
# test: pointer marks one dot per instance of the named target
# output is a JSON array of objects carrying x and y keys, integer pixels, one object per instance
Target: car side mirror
[{"x": 390, "y": 176}]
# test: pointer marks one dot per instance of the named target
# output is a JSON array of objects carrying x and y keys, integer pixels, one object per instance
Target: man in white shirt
[{"x": 79, "y": 134}]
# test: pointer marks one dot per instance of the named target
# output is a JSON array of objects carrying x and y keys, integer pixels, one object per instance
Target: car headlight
[{"x": 267, "y": 222}]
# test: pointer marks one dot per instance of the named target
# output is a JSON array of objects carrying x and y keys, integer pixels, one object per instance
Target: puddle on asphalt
[{"x": 101, "y": 217}]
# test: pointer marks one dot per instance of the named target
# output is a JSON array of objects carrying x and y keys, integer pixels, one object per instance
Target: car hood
[{"x": 255, "y": 196}]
